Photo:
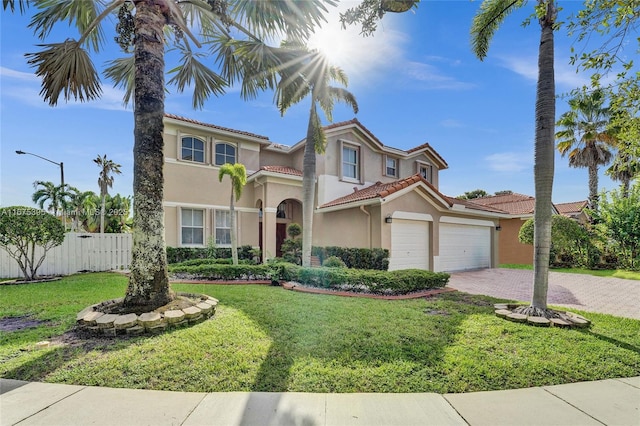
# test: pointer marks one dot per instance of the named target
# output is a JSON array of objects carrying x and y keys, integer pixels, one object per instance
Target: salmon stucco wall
[{"x": 512, "y": 250}]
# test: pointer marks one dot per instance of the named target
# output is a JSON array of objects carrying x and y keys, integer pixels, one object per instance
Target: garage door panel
[
  {"x": 409, "y": 245},
  {"x": 464, "y": 247}
]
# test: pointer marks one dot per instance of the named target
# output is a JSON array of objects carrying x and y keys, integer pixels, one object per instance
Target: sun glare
[{"x": 334, "y": 43}]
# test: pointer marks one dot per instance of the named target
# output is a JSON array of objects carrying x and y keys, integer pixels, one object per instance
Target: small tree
[
  {"x": 238, "y": 175},
  {"x": 292, "y": 246},
  {"x": 470, "y": 195},
  {"x": 620, "y": 218},
  {"x": 24, "y": 228}
]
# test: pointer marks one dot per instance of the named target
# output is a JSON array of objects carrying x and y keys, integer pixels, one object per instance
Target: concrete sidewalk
[{"x": 609, "y": 402}]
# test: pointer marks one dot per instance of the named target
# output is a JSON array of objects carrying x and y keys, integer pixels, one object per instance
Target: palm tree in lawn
[
  {"x": 238, "y": 175},
  {"x": 585, "y": 138},
  {"x": 312, "y": 76},
  {"x": 488, "y": 19},
  {"x": 625, "y": 168},
  {"x": 144, "y": 26},
  {"x": 105, "y": 181}
]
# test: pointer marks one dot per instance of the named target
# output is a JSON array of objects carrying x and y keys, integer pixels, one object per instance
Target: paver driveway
[{"x": 613, "y": 296}]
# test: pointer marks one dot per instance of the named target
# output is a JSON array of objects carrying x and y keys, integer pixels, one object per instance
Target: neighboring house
[
  {"x": 574, "y": 210},
  {"x": 368, "y": 195}
]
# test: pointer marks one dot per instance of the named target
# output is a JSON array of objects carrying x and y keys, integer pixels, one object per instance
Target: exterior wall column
[{"x": 268, "y": 233}]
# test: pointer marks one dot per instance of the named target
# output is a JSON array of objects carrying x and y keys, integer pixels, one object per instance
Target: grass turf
[{"x": 269, "y": 339}]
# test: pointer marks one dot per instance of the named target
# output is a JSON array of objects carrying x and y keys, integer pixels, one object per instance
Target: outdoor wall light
[
  {"x": 498, "y": 228},
  {"x": 388, "y": 219}
]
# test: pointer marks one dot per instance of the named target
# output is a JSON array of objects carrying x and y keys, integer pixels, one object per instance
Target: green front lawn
[
  {"x": 269, "y": 339},
  {"x": 615, "y": 273}
]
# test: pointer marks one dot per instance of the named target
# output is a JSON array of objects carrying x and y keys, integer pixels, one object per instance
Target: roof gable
[{"x": 213, "y": 126}]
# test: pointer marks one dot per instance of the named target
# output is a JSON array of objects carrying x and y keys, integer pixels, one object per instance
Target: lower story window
[
  {"x": 192, "y": 227},
  {"x": 223, "y": 227}
]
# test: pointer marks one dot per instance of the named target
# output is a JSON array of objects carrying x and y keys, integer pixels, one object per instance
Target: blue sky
[{"x": 416, "y": 81}]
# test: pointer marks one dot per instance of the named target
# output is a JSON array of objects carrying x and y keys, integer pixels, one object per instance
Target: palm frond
[
  {"x": 122, "y": 72},
  {"x": 192, "y": 72},
  {"x": 65, "y": 67},
  {"x": 238, "y": 175},
  {"x": 81, "y": 13},
  {"x": 487, "y": 21},
  {"x": 319, "y": 137},
  {"x": 11, "y": 4}
]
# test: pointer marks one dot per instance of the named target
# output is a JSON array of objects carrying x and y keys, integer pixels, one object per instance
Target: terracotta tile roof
[
  {"x": 469, "y": 204},
  {"x": 573, "y": 207},
  {"x": 513, "y": 203},
  {"x": 378, "y": 190},
  {"x": 285, "y": 170},
  {"x": 213, "y": 126},
  {"x": 372, "y": 136}
]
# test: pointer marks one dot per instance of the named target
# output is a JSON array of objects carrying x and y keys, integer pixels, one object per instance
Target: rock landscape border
[
  {"x": 564, "y": 319},
  {"x": 93, "y": 320}
]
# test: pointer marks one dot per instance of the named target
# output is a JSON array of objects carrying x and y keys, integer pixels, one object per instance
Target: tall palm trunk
[
  {"x": 104, "y": 196},
  {"x": 593, "y": 186},
  {"x": 234, "y": 233},
  {"x": 149, "y": 283},
  {"x": 308, "y": 186},
  {"x": 544, "y": 160}
]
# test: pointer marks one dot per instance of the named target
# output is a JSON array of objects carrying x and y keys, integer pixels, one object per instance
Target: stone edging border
[
  {"x": 92, "y": 320},
  {"x": 565, "y": 319},
  {"x": 416, "y": 295}
]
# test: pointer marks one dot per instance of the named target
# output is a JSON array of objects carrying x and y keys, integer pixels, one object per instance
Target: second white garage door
[
  {"x": 409, "y": 245},
  {"x": 464, "y": 247}
]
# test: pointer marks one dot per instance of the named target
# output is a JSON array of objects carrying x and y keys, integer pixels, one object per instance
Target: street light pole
[{"x": 61, "y": 164}]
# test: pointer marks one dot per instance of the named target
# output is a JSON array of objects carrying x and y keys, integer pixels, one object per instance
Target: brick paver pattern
[{"x": 613, "y": 296}]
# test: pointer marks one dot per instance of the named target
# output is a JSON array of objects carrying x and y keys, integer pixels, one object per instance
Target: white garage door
[
  {"x": 409, "y": 245},
  {"x": 464, "y": 247}
]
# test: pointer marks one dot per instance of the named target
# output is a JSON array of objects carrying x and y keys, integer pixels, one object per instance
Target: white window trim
[
  {"x": 204, "y": 148},
  {"x": 358, "y": 149},
  {"x": 396, "y": 167},
  {"x": 215, "y": 143},
  {"x": 215, "y": 228},
  {"x": 420, "y": 164},
  {"x": 204, "y": 227}
]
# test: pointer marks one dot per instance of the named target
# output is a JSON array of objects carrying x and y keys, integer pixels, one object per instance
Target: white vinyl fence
[{"x": 80, "y": 252}]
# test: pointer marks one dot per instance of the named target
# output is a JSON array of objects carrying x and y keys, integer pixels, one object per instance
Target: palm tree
[
  {"x": 81, "y": 203},
  {"x": 105, "y": 181},
  {"x": 624, "y": 169},
  {"x": 238, "y": 175},
  {"x": 488, "y": 19},
  {"x": 585, "y": 138},
  {"x": 55, "y": 195},
  {"x": 144, "y": 26},
  {"x": 312, "y": 76}
]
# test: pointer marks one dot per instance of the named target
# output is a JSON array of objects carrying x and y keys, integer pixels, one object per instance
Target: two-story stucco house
[{"x": 368, "y": 195}]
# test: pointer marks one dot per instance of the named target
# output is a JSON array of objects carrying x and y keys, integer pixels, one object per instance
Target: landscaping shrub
[
  {"x": 181, "y": 254},
  {"x": 372, "y": 281},
  {"x": 222, "y": 272},
  {"x": 358, "y": 258},
  {"x": 334, "y": 262}
]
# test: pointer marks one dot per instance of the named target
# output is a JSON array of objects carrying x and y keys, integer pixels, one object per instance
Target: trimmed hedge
[
  {"x": 357, "y": 280},
  {"x": 182, "y": 254},
  {"x": 370, "y": 281},
  {"x": 357, "y": 258},
  {"x": 222, "y": 272}
]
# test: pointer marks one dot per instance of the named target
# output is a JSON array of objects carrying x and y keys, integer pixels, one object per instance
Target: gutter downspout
[{"x": 368, "y": 225}]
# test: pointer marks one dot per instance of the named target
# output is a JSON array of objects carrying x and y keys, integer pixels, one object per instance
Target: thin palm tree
[
  {"x": 312, "y": 75},
  {"x": 491, "y": 15},
  {"x": 80, "y": 204},
  {"x": 56, "y": 196},
  {"x": 585, "y": 138},
  {"x": 625, "y": 168},
  {"x": 105, "y": 181},
  {"x": 238, "y": 175},
  {"x": 144, "y": 26}
]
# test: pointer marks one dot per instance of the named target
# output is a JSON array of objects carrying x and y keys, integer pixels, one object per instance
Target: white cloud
[
  {"x": 429, "y": 77},
  {"x": 512, "y": 162},
  {"x": 452, "y": 123},
  {"x": 527, "y": 67}
]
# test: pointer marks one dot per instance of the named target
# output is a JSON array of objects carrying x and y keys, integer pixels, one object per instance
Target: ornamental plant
[{"x": 22, "y": 229}]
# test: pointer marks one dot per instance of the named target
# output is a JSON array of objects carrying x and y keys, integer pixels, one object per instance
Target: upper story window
[
  {"x": 425, "y": 171},
  {"x": 350, "y": 162},
  {"x": 192, "y": 227},
  {"x": 391, "y": 168},
  {"x": 192, "y": 149},
  {"x": 225, "y": 153}
]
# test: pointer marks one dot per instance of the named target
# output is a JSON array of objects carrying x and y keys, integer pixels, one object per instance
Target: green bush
[
  {"x": 372, "y": 281},
  {"x": 358, "y": 258},
  {"x": 182, "y": 254},
  {"x": 222, "y": 272},
  {"x": 334, "y": 262}
]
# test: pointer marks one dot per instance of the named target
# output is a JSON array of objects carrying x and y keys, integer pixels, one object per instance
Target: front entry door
[{"x": 281, "y": 235}]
